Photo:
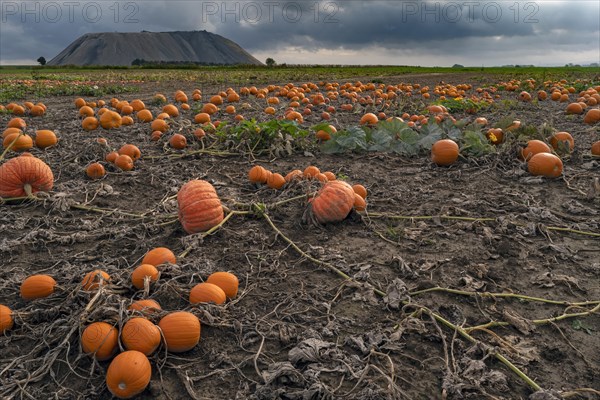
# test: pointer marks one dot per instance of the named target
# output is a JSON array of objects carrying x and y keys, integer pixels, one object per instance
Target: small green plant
[{"x": 275, "y": 137}]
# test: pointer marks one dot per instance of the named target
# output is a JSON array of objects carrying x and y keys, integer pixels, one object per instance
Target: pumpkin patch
[{"x": 243, "y": 236}]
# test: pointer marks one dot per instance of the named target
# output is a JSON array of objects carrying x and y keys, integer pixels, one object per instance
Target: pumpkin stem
[{"x": 28, "y": 190}]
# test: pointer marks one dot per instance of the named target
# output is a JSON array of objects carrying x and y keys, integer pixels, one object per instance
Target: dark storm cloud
[{"x": 468, "y": 30}]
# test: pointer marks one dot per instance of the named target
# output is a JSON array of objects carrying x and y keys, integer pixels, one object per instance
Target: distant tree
[
  {"x": 41, "y": 60},
  {"x": 138, "y": 62},
  {"x": 270, "y": 62},
  {"x": 458, "y": 66}
]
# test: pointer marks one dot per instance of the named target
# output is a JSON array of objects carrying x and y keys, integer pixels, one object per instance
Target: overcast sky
[{"x": 396, "y": 32}]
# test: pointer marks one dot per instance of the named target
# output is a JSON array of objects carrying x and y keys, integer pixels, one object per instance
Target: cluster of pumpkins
[
  {"x": 15, "y": 135},
  {"x": 130, "y": 372}
]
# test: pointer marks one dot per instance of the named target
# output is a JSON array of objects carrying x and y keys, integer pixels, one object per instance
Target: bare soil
[{"x": 298, "y": 330}]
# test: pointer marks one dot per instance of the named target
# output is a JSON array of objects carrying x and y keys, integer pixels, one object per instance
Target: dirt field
[{"x": 480, "y": 249}]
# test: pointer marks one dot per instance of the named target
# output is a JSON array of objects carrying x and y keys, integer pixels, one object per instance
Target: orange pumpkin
[
  {"x": 131, "y": 150},
  {"x": 202, "y": 118},
  {"x": 178, "y": 141},
  {"x": 99, "y": 339},
  {"x": 258, "y": 174},
  {"x": 534, "y": 147},
  {"x": 17, "y": 123},
  {"x": 124, "y": 162},
  {"x": 137, "y": 105},
  {"x": 37, "y": 111},
  {"x": 128, "y": 374},
  {"x": 360, "y": 190},
  {"x": 90, "y": 123},
  {"x": 6, "y": 319},
  {"x": 93, "y": 280},
  {"x": 369, "y": 119},
  {"x": 95, "y": 171},
  {"x": 45, "y": 138},
  {"x": 294, "y": 175},
  {"x": 181, "y": 330},
  {"x": 275, "y": 181},
  {"x": 444, "y": 152},
  {"x": 207, "y": 293},
  {"x": 140, "y": 273},
  {"x": 592, "y": 116},
  {"x": 495, "y": 135},
  {"x": 110, "y": 120},
  {"x": 199, "y": 206},
  {"x": 562, "y": 141},
  {"x": 596, "y": 148},
  {"x": 146, "y": 307},
  {"x": 359, "y": 202},
  {"x": 171, "y": 110},
  {"x": 144, "y": 116},
  {"x": 37, "y": 287},
  {"x": 311, "y": 171},
  {"x": 226, "y": 281},
  {"x": 25, "y": 175},
  {"x": 332, "y": 203},
  {"x": 159, "y": 125},
  {"x": 18, "y": 141},
  {"x": 112, "y": 157},
  {"x": 574, "y": 108},
  {"x": 86, "y": 111},
  {"x": 330, "y": 176},
  {"x": 158, "y": 256},
  {"x": 545, "y": 164},
  {"x": 140, "y": 334}
]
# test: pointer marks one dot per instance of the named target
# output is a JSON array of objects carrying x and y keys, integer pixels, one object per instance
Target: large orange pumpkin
[
  {"x": 444, "y": 152},
  {"x": 332, "y": 203},
  {"x": 181, "y": 330},
  {"x": 128, "y": 374},
  {"x": 100, "y": 340},
  {"x": 199, "y": 206},
  {"x": 140, "y": 334},
  {"x": 158, "y": 256},
  {"x": 545, "y": 164}
]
